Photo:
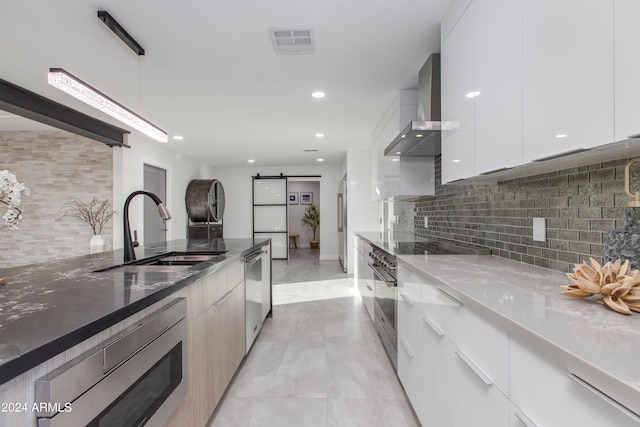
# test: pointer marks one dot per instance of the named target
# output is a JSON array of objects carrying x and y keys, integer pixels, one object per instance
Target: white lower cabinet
[
  {"x": 450, "y": 382},
  {"x": 551, "y": 396},
  {"x": 425, "y": 359},
  {"x": 364, "y": 275},
  {"x": 460, "y": 367}
]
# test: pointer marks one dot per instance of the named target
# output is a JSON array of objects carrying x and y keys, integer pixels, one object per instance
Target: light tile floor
[{"x": 317, "y": 362}]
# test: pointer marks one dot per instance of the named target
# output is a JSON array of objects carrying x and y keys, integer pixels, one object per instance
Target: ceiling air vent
[
  {"x": 292, "y": 40},
  {"x": 310, "y": 150}
]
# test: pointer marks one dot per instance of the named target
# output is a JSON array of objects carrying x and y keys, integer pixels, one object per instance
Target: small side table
[{"x": 293, "y": 238}]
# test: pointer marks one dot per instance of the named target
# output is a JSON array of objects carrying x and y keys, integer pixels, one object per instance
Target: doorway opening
[
  {"x": 155, "y": 181},
  {"x": 303, "y": 196}
]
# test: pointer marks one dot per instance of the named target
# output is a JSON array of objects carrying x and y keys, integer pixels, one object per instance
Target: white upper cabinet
[
  {"x": 450, "y": 19},
  {"x": 482, "y": 88},
  {"x": 567, "y": 76},
  {"x": 627, "y": 68},
  {"x": 498, "y": 68},
  {"x": 457, "y": 88}
]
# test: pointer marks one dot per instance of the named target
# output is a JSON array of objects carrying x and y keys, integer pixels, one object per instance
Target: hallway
[
  {"x": 317, "y": 362},
  {"x": 304, "y": 265}
]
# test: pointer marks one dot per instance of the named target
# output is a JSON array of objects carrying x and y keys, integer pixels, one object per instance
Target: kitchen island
[{"x": 58, "y": 307}]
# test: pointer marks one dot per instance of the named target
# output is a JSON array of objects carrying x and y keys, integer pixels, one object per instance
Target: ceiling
[{"x": 210, "y": 73}]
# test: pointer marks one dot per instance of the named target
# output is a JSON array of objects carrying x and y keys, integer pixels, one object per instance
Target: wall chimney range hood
[{"x": 421, "y": 137}]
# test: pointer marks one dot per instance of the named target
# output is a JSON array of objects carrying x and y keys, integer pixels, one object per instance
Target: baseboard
[{"x": 328, "y": 257}]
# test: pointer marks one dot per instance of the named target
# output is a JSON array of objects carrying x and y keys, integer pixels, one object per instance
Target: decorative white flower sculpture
[{"x": 10, "y": 193}]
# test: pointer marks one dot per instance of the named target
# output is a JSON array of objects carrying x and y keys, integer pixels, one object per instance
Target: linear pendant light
[{"x": 75, "y": 87}]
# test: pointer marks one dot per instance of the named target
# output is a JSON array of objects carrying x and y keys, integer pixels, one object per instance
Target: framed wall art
[
  {"x": 293, "y": 198},
  {"x": 306, "y": 198}
]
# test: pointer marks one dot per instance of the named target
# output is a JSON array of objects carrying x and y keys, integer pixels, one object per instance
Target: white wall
[
  {"x": 360, "y": 209},
  {"x": 238, "y": 211},
  {"x": 296, "y": 212},
  {"x": 128, "y": 165}
]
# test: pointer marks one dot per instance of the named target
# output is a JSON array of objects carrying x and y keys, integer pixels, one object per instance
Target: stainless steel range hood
[{"x": 421, "y": 138}]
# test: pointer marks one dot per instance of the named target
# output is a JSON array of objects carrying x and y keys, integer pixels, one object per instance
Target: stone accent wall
[
  {"x": 56, "y": 166},
  {"x": 580, "y": 205}
]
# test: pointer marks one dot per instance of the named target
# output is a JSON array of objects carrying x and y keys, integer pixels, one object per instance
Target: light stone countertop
[{"x": 581, "y": 335}]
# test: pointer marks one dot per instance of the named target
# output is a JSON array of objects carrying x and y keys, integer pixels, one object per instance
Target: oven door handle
[{"x": 384, "y": 276}]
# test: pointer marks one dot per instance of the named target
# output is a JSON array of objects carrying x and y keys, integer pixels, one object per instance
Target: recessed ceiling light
[
  {"x": 251, "y": 161},
  {"x": 398, "y": 152},
  {"x": 319, "y": 135},
  {"x": 321, "y": 160},
  {"x": 318, "y": 94},
  {"x": 178, "y": 137},
  {"x": 395, "y": 159},
  {"x": 419, "y": 135},
  {"x": 562, "y": 135},
  {"x": 403, "y": 136},
  {"x": 456, "y": 161},
  {"x": 472, "y": 94}
]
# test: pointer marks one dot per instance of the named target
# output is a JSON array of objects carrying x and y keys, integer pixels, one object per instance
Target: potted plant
[
  {"x": 96, "y": 213},
  {"x": 311, "y": 219}
]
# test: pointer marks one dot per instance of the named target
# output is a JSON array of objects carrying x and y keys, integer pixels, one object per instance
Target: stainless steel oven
[
  {"x": 136, "y": 378},
  {"x": 385, "y": 305}
]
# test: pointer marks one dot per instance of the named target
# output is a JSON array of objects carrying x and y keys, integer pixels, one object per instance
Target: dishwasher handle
[{"x": 253, "y": 257}]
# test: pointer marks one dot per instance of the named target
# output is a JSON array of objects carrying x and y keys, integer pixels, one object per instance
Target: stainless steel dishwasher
[{"x": 254, "y": 281}]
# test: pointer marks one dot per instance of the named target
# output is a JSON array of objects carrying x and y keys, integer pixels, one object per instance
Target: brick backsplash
[
  {"x": 580, "y": 205},
  {"x": 56, "y": 166}
]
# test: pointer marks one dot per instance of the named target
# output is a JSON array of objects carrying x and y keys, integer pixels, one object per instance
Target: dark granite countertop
[{"x": 50, "y": 307}]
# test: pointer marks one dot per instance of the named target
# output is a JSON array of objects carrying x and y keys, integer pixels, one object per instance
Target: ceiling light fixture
[
  {"x": 319, "y": 135},
  {"x": 75, "y": 87},
  {"x": 318, "y": 94},
  {"x": 178, "y": 137},
  {"x": 321, "y": 160},
  {"x": 472, "y": 94},
  {"x": 113, "y": 25},
  {"x": 251, "y": 161},
  {"x": 562, "y": 135}
]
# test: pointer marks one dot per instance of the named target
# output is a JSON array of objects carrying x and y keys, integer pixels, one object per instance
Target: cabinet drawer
[
  {"x": 550, "y": 396},
  {"x": 409, "y": 285},
  {"x": 208, "y": 290},
  {"x": 410, "y": 351}
]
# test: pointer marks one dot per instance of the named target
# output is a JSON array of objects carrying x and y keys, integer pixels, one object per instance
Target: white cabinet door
[
  {"x": 498, "y": 79},
  {"x": 549, "y": 396},
  {"x": 457, "y": 89},
  {"x": 627, "y": 68},
  {"x": 476, "y": 401},
  {"x": 364, "y": 276},
  {"x": 567, "y": 76},
  {"x": 410, "y": 350},
  {"x": 435, "y": 407}
]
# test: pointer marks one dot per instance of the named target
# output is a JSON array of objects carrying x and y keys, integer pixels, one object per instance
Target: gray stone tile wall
[
  {"x": 56, "y": 166},
  {"x": 580, "y": 205}
]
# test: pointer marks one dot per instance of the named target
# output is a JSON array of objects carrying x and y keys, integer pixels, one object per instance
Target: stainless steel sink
[
  {"x": 182, "y": 259},
  {"x": 170, "y": 262},
  {"x": 148, "y": 268}
]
